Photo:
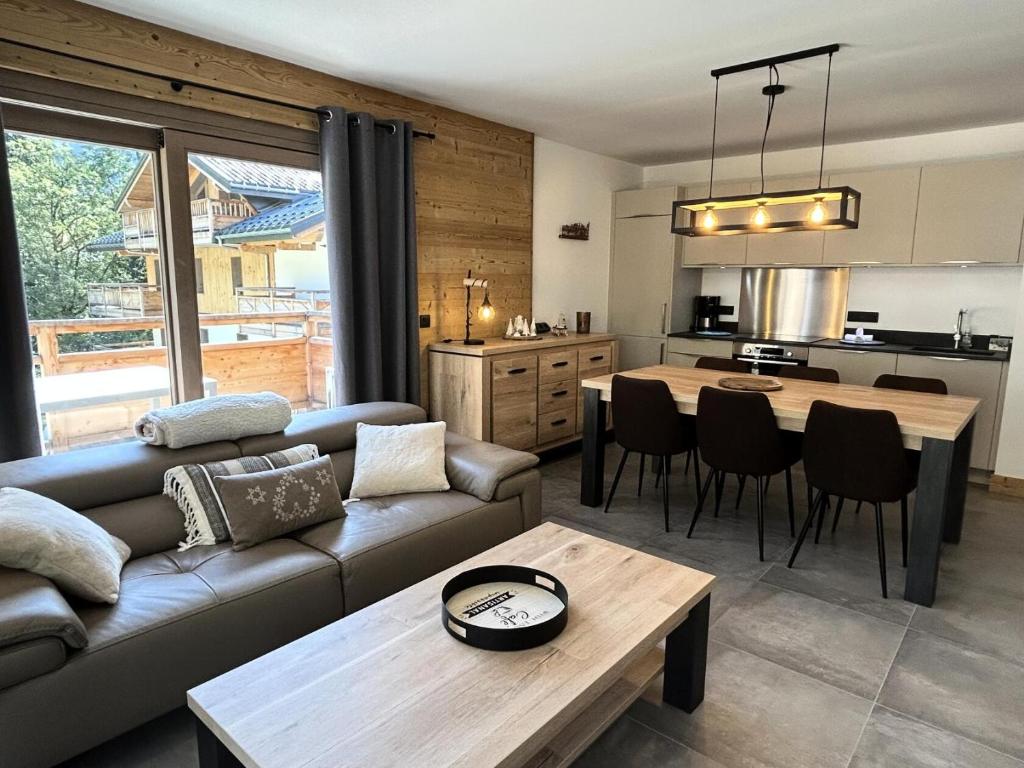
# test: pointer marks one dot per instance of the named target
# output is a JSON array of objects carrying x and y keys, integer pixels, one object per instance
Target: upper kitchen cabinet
[
  {"x": 721, "y": 250},
  {"x": 644, "y": 256},
  {"x": 887, "y": 215},
  {"x": 970, "y": 212},
  {"x": 785, "y": 248},
  {"x": 656, "y": 201}
]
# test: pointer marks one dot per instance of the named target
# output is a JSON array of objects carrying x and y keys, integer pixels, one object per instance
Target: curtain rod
[{"x": 178, "y": 84}]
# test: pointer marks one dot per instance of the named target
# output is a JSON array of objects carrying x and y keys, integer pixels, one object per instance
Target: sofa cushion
[
  {"x": 476, "y": 467},
  {"x": 399, "y": 459},
  {"x": 148, "y": 525},
  {"x": 31, "y": 607},
  {"x": 333, "y": 429},
  {"x": 389, "y": 543},
  {"x": 107, "y": 474},
  {"x": 24, "y": 661}
]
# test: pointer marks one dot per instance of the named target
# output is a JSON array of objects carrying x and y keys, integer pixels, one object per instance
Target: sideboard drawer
[
  {"x": 558, "y": 365},
  {"x": 595, "y": 360},
  {"x": 556, "y": 425},
  {"x": 556, "y": 395},
  {"x": 511, "y": 375},
  {"x": 514, "y": 419}
]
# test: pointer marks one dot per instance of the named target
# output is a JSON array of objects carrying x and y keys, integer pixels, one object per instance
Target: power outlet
[{"x": 424, "y": 321}]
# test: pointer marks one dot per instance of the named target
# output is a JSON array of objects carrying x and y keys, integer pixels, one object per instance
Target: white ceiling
[{"x": 631, "y": 79}]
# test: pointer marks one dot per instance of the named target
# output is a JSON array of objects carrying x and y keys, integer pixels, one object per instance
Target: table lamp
[{"x": 486, "y": 311}]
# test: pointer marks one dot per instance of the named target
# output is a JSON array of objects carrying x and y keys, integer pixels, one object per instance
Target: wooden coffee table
[{"x": 387, "y": 686}]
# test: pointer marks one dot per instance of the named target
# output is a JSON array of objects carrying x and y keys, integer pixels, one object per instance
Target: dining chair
[
  {"x": 856, "y": 453},
  {"x": 809, "y": 373},
  {"x": 921, "y": 384},
  {"x": 648, "y": 422},
  {"x": 726, "y": 364},
  {"x": 737, "y": 434}
]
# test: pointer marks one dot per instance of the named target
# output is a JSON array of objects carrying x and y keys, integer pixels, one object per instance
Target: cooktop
[{"x": 783, "y": 338}]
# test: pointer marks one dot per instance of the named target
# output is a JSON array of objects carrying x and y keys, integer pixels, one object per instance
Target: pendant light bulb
[
  {"x": 487, "y": 309},
  {"x": 760, "y": 217},
  {"x": 708, "y": 219},
  {"x": 818, "y": 213}
]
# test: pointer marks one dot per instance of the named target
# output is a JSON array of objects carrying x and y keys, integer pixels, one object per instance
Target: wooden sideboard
[{"x": 523, "y": 394}]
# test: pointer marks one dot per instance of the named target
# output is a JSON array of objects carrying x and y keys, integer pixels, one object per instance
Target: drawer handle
[
  {"x": 595, "y": 358},
  {"x": 560, "y": 393},
  {"x": 560, "y": 364},
  {"x": 558, "y": 422},
  {"x": 514, "y": 371}
]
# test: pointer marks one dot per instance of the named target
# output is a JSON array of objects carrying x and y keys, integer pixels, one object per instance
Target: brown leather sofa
[{"x": 74, "y": 674}]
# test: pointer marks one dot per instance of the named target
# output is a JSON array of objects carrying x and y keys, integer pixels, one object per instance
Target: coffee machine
[{"x": 705, "y": 313}]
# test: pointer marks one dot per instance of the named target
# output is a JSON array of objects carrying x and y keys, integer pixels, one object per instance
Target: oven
[{"x": 768, "y": 357}]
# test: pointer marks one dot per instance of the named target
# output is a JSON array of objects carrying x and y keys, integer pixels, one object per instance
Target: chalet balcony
[
  {"x": 208, "y": 217},
  {"x": 124, "y": 300}
]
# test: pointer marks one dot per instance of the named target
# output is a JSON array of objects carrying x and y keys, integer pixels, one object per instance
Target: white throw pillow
[
  {"x": 404, "y": 459},
  {"x": 40, "y": 535}
]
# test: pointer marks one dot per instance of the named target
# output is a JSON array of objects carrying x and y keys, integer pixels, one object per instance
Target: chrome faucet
[{"x": 958, "y": 331}]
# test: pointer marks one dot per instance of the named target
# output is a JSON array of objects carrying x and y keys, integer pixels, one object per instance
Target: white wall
[
  {"x": 908, "y": 299},
  {"x": 572, "y": 185},
  {"x": 302, "y": 269},
  {"x": 1010, "y": 458}
]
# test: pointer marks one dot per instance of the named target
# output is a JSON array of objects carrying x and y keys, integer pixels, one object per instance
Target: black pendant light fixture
[{"x": 762, "y": 212}]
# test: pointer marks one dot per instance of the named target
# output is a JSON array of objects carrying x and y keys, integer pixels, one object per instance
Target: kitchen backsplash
[{"x": 920, "y": 299}]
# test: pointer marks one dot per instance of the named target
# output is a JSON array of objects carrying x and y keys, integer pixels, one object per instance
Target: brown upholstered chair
[
  {"x": 737, "y": 434},
  {"x": 809, "y": 373},
  {"x": 856, "y": 453},
  {"x": 648, "y": 422},
  {"x": 912, "y": 384},
  {"x": 726, "y": 364}
]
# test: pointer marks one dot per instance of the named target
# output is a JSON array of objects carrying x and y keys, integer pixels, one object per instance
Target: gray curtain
[
  {"x": 19, "y": 430},
  {"x": 370, "y": 210}
]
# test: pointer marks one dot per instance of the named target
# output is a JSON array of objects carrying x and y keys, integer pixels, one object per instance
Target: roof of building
[
  {"x": 113, "y": 241},
  {"x": 286, "y": 220},
  {"x": 245, "y": 177}
]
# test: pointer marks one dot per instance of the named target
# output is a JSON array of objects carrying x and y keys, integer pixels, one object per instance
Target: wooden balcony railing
[
  {"x": 124, "y": 299},
  {"x": 140, "y": 230},
  {"x": 262, "y": 298},
  {"x": 208, "y": 216}
]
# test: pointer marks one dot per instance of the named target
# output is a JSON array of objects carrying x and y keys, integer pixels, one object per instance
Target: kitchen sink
[{"x": 958, "y": 352}]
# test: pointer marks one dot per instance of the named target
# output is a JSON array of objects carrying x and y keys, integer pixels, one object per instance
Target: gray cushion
[
  {"x": 264, "y": 505},
  {"x": 24, "y": 661},
  {"x": 477, "y": 467},
  {"x": 31, "y": 607}
]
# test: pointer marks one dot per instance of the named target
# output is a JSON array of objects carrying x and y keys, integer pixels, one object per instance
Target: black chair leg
[
  {"x": 686, "y": 469},
  {"x": 881, "y": 548},
  {"x": 789, "y": 502},
  {"x": 700, "y": 502},
  {"x": 810, "y": 498},
  {"x": 903, "y": 528},
  {"x": 640, "y": 482},
  {"x": 742, "y": 479},
  {"x": 821, "y": 518},
  {"x": 760, "y": 517},
  {"x": 696, "y": 471},
  {"x": 664, "y": 489},
  {"x": 806, "y": 527},
  {"x": 856, "y": 510},
  {"x": 615, "y": 482},
  {"x": 839, "y": 509},
  {"x": 719, "y": 487}
]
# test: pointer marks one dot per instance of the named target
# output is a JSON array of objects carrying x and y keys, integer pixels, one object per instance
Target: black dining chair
[
  {"x": 921, "y": 384},
  {"x": 912, "y": 384},
  {"x": 856, "y": 453},
  {"x": 809, "y": 373},
  {"x": 726, "y": 364},
  {"x": 737, "y": 434},
  {"x": 648, "y": 422}
]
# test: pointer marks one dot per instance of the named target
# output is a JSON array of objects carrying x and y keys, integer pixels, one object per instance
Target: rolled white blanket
[{"x": 224, "y": 417}]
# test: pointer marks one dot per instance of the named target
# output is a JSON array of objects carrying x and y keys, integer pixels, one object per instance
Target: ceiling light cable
[
  {"x": 714, "y": 132},
  {"x": 768, "y": 119},
  {"x": 824, "y": 121}
]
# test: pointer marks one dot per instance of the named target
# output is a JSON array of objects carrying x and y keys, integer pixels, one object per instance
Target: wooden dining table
[{"x": 939, "y": 426}]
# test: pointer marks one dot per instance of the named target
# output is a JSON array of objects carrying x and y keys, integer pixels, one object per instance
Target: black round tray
[{"x": 518, "y": 630}]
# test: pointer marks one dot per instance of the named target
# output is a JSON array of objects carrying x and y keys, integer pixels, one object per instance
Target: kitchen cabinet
[
  {"x": 888, "y": 215},
  {"x": 640, "y": 351},
  {"x": 653, "y": 201},
  {"x": 785, "y": 248},
  {"x": 645, "y": 255},
  {"x": 716, "y": 251},
  {"x": 685, "y": 353},
  {"x": 973, "y": 378},
  {"x": 970, "y": 212},
  {"x": 855, "y": 366}
]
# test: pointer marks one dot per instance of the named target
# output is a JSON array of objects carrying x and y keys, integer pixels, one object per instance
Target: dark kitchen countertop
[{"x": 896, "y": 342}]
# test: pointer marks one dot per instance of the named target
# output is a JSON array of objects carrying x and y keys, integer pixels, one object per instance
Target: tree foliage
[{"x": 65, "y": 196}]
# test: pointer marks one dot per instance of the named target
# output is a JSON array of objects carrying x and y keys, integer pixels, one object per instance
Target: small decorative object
[
  {"x": 486, "y": 311},
  {"x": 504, "y": 607},
  {"x": 861, "y": 338},
  {"x": 751, "y": 383},
  {"x": 577, "y": 231},
  {"x": 521, "y": 328},
  {"x": 561, "y": 328},
  {"x": 582, "y": 322}
]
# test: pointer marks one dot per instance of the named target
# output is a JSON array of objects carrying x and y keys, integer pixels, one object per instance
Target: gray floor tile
[
  {"x": 758, "y": 714},
  {"x": 838, "y": 646},
  {"x": 892, "y": 740},
  {"x": 725, "y": 546},
  {"x": 967, "y": 692},
  {"x": 167, "y": 742},
  {"x": 628, "y": 744}
]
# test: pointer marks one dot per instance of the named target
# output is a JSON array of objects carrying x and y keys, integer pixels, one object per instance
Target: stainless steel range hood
[{"x": 794, "y": 302}]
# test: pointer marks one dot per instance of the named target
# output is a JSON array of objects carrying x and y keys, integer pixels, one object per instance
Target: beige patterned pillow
[{"x": 264, "y": 505}]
